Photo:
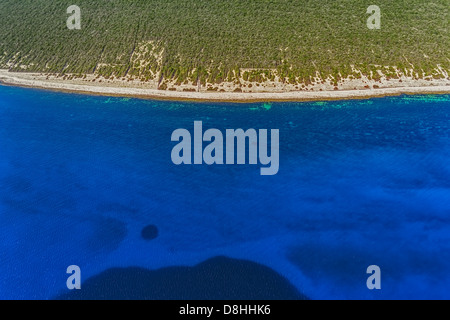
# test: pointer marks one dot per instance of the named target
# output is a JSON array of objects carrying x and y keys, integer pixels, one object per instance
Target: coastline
[{"x": 386, "y": 88}]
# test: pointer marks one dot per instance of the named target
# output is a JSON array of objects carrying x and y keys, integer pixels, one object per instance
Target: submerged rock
[
  {"x": 219, "y": 278},
  {"x": 150, "y": 232}
]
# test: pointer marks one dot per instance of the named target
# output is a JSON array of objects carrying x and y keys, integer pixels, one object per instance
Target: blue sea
[{"x": 361, "y": 182}]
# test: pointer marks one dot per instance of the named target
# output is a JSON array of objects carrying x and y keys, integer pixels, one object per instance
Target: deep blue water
[{"x": 360, "y": 183}]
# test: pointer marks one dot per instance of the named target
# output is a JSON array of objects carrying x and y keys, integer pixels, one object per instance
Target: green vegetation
[{"x": 213, "y": 40}]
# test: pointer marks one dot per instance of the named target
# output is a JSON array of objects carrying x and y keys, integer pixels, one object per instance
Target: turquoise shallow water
[{"x": 360, "y": 183}]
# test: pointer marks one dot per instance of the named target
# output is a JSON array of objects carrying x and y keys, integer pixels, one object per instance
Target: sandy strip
[{"x": 32, "y": 80}]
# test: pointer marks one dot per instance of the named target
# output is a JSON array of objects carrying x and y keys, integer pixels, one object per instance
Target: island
[{"x": 240, "y": 50}]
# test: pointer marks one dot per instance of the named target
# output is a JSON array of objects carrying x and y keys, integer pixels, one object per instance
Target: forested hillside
[{"x": 221, "y": 40}]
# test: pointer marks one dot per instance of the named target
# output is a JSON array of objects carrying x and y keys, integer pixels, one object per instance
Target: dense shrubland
[{"x": 214, "y": 40}]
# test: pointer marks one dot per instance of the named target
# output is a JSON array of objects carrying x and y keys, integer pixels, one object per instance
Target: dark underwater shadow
[{"x": 219, "y": 278}]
